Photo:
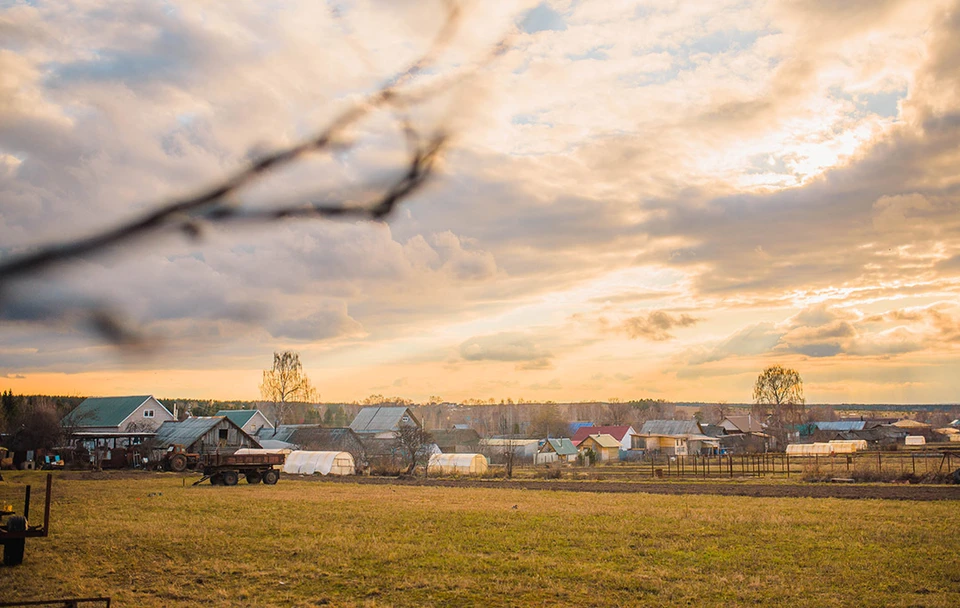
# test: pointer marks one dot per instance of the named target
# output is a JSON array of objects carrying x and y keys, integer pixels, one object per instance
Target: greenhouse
[
  {"x": 301, "y": 462},
  {"x": 457, "y": 464}
]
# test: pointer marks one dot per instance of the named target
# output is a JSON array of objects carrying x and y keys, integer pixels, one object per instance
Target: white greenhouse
[
  {"x": 301, "y": 462},
  {"x": 457, "y": 464}
]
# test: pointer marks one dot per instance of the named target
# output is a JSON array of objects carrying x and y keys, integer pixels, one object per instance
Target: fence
[{"x": 776, "y": 465}]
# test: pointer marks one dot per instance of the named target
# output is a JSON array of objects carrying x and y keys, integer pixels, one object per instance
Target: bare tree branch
[{"x": 214, "y": 206}]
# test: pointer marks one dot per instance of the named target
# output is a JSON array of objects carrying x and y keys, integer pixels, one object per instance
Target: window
[
  {"x": 223, "y": 434},
  {"x": 149, "y": 413}
]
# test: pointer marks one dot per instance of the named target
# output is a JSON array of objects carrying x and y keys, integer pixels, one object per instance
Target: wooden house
[
  {"x": 605, "y": 447},
  {"x": 250, "y": 421},
  {"x": 203, "y": 435},
  {"x": 113, "y": 415}
]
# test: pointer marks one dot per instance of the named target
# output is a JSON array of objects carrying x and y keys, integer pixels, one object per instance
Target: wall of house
[
  {"x": 214, "y": 439},
  {"x": 137, "y": 421}
]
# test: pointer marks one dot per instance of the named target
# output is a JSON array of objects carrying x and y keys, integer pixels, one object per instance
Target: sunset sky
[{"x": 642, "y": 199}]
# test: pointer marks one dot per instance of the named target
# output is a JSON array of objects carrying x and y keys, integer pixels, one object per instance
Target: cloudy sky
[{"x": 642, "y": 199}]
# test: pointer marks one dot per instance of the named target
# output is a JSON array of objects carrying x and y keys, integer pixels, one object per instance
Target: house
[
  {"x": 557, "y": 450},
  {"x": 605, "y": 447},
  {"x": 250, "y": 421},
  {"x": 457, "y": 441},
  {"x": 105, "y": 415},
  {"x": 203, "y": 435},
  {"x": 623, "y": 434},
  {"x": 674, "y": 437},
  {"x": 382, "y": 422},
  {"x": 741, "y": 424}
]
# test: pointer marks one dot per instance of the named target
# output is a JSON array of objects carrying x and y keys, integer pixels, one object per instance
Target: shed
[
  {"x": 203, "y": 434},
  {"x": 325, "y": 463},
  {"x": 606, "y": 447},
  {"x": 457, "y": 464},
  {"x": 557, "y": 450}
]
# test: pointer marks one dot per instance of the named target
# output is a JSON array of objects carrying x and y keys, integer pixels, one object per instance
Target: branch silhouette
[{"x": 213, "y": 205}]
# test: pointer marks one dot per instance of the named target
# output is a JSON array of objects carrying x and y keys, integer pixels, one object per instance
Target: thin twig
[{"x": 200, "y": 204}]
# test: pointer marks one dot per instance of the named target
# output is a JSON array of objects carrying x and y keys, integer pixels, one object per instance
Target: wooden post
[
  {"x": 879, "y": 464},
  {"x": 788, "y": 465}
]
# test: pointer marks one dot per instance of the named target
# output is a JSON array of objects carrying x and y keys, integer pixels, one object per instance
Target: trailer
[
  {"x": 17, "y": 529},
  {"x": 226, "y": 469}
]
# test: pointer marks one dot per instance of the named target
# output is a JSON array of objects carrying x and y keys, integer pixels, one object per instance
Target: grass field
[{"x": 149, "y": 541}]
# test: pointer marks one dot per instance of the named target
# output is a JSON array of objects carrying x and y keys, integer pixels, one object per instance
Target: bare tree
[
  {"x": 286, "y": 383},
  {"x": 618, "y": 413},
  {"x": 778, "y": 399},
  {"x": 413, "y": 444},
  {"x": 509, "y": 450}
]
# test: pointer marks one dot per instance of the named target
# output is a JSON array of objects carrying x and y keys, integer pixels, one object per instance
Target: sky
[{"x": 639, "y": 200}]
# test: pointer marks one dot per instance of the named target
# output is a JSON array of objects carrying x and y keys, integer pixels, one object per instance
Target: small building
[
  {"x": 557, "y": 450},
  {"x": 457, "y": 441},
  {"x": 457, "y": 464},
  {"x": 733, "y": 425},
  {"x": 250, "y": 421},
  {"x": 623, "y": 434},
  {"x": 605, "y": 447},
  {"x": 203, "y": 435},
  {"x": 131, "y": 414},
  {"x": 382, "y": 422},
  {"x": 675, "y": 438},
  {"x": 496, "y": 449}
]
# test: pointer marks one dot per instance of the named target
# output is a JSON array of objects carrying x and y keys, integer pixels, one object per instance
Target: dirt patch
[{"x": 732, "y": 488}]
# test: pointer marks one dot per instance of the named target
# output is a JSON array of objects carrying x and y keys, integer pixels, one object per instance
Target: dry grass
[{"x": 309, "y": 544}]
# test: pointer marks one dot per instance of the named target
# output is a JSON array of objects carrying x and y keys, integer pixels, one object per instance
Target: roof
[
  {"x": 670, "y": 427},
  {"x": 106, "y": 411},
  {"x": 238, "y": 417},
  {"x": 377, "y": 419},
  {"x": 500, "y": 442},
  {"x": 562, "y": 446},
  {"x": 604, "y": 440},
  {"x": 312, "y": 437},
  {"x": 906, "y": 423},
  {"x": 186, "y": 432},
  {"x": 744, "y": 424},
  {"x": 841, "y": 425},
  {"x": 617, "y": 432}
]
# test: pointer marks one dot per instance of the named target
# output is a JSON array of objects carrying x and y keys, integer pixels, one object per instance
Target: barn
[
  {"x": 457, "y": 464},
  {"x": 203, "y": 435}
]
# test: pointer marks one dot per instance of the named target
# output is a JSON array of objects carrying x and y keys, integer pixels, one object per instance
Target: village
[{"x": 140, "y": 432}]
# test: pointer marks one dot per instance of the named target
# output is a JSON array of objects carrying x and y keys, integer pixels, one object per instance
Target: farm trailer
[
  {"x": 226, "y": 469},
  {"x": 15, "y": 532}
]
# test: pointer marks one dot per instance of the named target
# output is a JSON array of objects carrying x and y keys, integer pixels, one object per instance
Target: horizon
[{"x": 634, "y": 200}]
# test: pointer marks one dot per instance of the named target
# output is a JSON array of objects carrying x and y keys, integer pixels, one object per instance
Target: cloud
[
  {"x": 330, "y": 321},
  {"x": 507, "y": 346},
  {"x": 656, "y": 325}
]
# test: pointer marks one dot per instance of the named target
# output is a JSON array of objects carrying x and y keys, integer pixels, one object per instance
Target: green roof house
[
  {"x": 139, "y": 413},
  {"x": 251, "y": 421}
]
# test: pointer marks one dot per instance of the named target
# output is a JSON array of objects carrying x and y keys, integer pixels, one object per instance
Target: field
[{"x": 148, "y": 540}]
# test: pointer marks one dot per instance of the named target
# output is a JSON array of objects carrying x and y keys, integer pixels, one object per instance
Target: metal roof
[
  {"x": 238, "y": 417},
  {"x": 841, "y": 425},
  {"x": 378, "y": 419},
  {"x": 670, "y": 427},
  {"x": 617, "y": 432},
  {"x": 185, "y": 432},
  {"x": 105, "y": 411},
  {"x": 604, "y": 440},
  {"x": 562, "y": 446},
  {"x": 744, "y": 424}
]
